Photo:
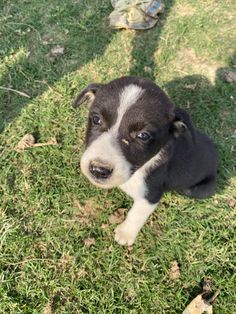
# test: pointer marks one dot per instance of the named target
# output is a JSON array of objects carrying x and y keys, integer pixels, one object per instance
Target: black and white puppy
[{"x": 139, "y": 141}]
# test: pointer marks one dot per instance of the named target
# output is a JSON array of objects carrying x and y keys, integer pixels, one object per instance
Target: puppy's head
[{"x": 130, "y": 120}]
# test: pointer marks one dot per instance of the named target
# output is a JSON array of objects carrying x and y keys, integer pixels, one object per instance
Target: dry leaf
[
  {"x": 191, "y": 86},
  {"x": 89, "y": 241},
  {"x": 202, "y": 303},
  {"x": 118, "y": 216},
  {"x": 198, "y": 306},
  {"x": 55, "y": 53},
  {"x": 147, "y": 69},
  {"x": 230, "y": 77},
  {"x": 27, "y": 141},
  {"x": 174, "y": 270},
  {"x": 231, "y": 202}
]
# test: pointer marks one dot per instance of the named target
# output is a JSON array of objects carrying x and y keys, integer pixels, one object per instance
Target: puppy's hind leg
[{"x": 203, "y": 189}]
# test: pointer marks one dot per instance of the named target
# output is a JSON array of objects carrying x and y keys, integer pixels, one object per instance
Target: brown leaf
[
  {"x": 118, "y": 216},
  {"x": 55, "y": 53},
  {"x": 202, "y": 303},
  {"x": 147, "y": 69},
  {"x": 174, "y": 271},
  {"x": 231, "y": 202},
  {"x": 27, "y": 141},
  {"x": 89, "y": 241},
  {"x": 191, "y": 86},
  {"x": 230, "y": 77},
  {"x": 198, "y": 306}
]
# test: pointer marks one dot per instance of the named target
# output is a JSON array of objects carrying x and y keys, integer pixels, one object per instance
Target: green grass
[{"x": 45, "y": 216}]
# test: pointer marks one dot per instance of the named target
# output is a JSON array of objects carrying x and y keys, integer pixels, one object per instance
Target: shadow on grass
[
  {"x": 212, "y": 109},
  {"x": 28, "y": 35},
  {"x": 81, "y": 27},
  {"x": 145, "y": 44}
]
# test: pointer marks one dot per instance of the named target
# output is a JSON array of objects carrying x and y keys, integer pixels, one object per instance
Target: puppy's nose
[{"x": 100, "y": 170}]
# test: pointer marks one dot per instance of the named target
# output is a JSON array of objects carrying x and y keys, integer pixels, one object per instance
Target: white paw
[{"x": 125, "y": 234}]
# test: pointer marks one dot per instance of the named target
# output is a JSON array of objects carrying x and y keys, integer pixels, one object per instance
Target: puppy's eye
[
  {"x": 144, "y": 136},
  {"x": 96, "y": 120}
]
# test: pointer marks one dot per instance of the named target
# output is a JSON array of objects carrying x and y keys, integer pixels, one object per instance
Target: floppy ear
[
  {"x": 87, "y": 94},
  {"x": 182, "y": 123}
]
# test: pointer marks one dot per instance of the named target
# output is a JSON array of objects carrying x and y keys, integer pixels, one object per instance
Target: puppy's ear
[
  {"x": 87, "y": 94},
  {"x": 181, "y": 123}
]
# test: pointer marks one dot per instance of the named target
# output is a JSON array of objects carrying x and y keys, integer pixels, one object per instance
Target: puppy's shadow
[
  {"x": 146, "y": 43},
  {"x": 212, "y": 109}
]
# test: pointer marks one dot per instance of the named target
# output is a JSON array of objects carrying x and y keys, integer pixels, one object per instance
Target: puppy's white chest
[{"x": 135, "y": 187}]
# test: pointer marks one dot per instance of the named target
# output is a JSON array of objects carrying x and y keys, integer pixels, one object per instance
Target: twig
[
  {"x": 15, "y": 91},
  {"x": 44, "y": 144}
]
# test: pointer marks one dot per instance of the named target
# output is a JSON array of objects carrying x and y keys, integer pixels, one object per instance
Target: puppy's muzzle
[{"x": 100, "y": 170}]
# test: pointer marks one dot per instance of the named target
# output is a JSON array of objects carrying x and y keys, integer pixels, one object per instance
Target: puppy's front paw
[{"x": 125, "y": 234}]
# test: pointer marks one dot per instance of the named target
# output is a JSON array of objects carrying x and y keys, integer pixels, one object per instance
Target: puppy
[{"x": 139, "y": 141}]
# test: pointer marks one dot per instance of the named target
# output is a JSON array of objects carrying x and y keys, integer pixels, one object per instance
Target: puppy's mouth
[{"x": 101, "y": 183}]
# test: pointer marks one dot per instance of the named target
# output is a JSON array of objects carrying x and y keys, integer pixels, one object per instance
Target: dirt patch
[
  {"x": 174, "y": 271},
  {"x": 118, "y": 216},
  {"x": 183, "y": 10},
  {"x": 87, "y": 212},
  {"x": 189, "y": 61},
  {"x": 89, "y": 242}
]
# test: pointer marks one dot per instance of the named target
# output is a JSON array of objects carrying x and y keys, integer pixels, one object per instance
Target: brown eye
[
  {"x": 144, "y": 136},
  {"x": 96, "y": 120}
]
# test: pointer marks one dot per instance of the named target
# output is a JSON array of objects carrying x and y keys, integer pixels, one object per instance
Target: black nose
[{"x": 99, "y": 170}]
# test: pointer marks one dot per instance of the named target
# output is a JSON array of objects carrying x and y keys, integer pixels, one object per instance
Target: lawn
[{"x": 57, "y": 248}]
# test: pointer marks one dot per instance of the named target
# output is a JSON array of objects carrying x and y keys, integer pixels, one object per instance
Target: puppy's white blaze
[
  {"x": 128, "y": 97},
  {"x": 105, "y": 148}
]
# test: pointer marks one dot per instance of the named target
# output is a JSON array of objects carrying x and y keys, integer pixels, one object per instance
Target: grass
[{"x": 48, "y": 209}]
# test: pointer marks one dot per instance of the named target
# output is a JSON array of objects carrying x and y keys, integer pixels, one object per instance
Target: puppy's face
[{"x": 129, "y": 122}]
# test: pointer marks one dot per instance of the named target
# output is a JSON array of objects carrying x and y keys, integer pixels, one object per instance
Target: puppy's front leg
[{"x": 126, "y": 232}]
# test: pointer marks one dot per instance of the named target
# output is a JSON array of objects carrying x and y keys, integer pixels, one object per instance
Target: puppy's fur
[{"x": 138, "y": 140}]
